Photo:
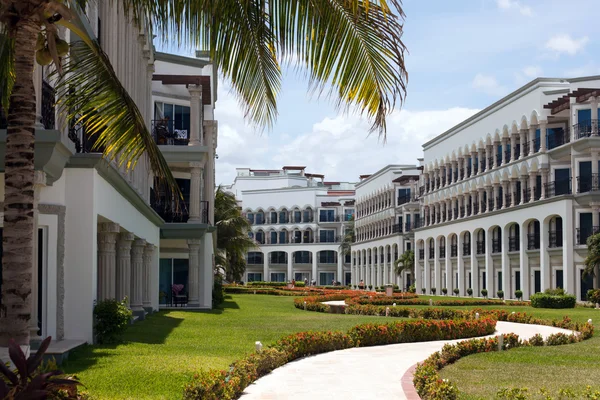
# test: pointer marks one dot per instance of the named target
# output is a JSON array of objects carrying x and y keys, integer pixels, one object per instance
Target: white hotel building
[
  {"x": 387, "y": 211},
  {"x": 104, "y": 231},
  {"x": 510, "y": 195},
  {"x": 298, "y": 222}
]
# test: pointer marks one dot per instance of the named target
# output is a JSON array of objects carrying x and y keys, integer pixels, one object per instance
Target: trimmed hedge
[
  {"x": 229, "y": 384},
  {"x": 427, "y": 381},
  {"x": 410, "y": 299},
  {"x": 258, "y": 290},
  {"x": 593, "y": 295},
  {"x": 543, "y": 300},
  {"x": 268, "y": 284}
]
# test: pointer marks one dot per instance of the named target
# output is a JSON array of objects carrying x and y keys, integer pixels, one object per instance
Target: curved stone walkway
[{"x": 360, "y": 373}]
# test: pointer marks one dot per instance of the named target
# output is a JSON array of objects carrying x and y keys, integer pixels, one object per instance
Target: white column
[
  {"x": 496, "y": 195},
  {"x": 544, "y": 182},
  {"x": 513, "y": 147},
  {"x": 437, "y": 266},
  {"x": 194, "y": 273},
  {"x": 266, "y": 276},
  {"x": 123, "y": 286},
  {"x": 427, "y": 267},
  {"x": 489, "y": 265},
  {"x": 505, "y": 191},
  {"x": 522, "y": 140},
  {"x": 524, "y": 261},
  {"x": 195, "y": 114},
  {"x": 504, "y": 145},
  {"x": 543, "y": 125},
  {"x": 290, "y": 272},
  {"x": 195, "y": 192},
  {"x": 449, "y": 281},
  {"x": 137, "y": 269},
  {"x": 569, "y": 275},
  {"x": 487, "y": 158},
  {"x": 39, "y": 182},
  {"x": 474, "y": 266},
  {"x": 513, "y": 190},
  {"x": 594, "y": 116},
  {"x": 495, "y": 154},
  {"x": 460, "y": 265},
  {"x": 480, "y": 156},
  {"x": 523, "y": 184},
  {"x": 107, "y": 239},
  {"x": 314, "y": 267},
  {"x": 506, "y": 272},
  {"x": 545, "y": 269},
  {"x": 474, "y": 166},
  {"x": 147, "y": 277},
  {"x": 532, "y": 182},
  {"x": 532, "y": 130}
]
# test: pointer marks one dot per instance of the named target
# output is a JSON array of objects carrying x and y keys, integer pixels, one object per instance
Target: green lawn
[{"x": 162, "y": 353}]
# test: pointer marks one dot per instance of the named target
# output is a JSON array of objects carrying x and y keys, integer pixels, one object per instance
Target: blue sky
[{"x": 463, "y": 55}]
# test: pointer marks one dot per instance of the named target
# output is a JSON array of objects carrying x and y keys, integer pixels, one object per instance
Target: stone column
[
  {"x": 474, "y": 166},
  {"x": 194, "y": 272},
  {"x": 460, "y": 265},
  {"x": 543, "y": 135},
  {"x": 195, "y": 192},
  {"x": 147, "y": 277},
  {"x": 487, "y": 158},
  {"x": 504, "y": 145},
  {"x": 544, "y": 182},
  {"x": 460, "y": 204},
  {"x": 594, "y": 114},
  {"x": 523, "y": 184},
  {"x": 448, "y": 169},
  {"x": 137, "y": 270},
  {"x": 39, "y": 182},
  {"x": 340, "y": 268},
  {"x": 524, "y": 261},
  {"x": 496, "y": 195},
  {"x": 513, "y": 147},
  {"x": 107, "y": 238},
  {"x": 195, "y": 115},
  {"x": 505, "y": 190},
  {"x": 479, "y": 161},
  {"x": 495, "y": 154},
  {"x": 532, "y": 138},
  {"x": 124, "y": 266},
  {"x": 314, "y": 267},
  {"x": 522, "y": 140},
  {"x": 532, "y": 182},
  {"x": 290, "y": 273},
  {"x": 455, "y": 171},
  {"x": 513, "y": 192},
  {"x": 480, "y": 200}
]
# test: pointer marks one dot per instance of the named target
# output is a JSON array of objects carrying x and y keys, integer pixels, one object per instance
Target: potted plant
[
  {"x": 412, "y": 289},
  {"x": 423, "y": 290},
  {"x": 444, "y": 291},
  {"x": 518, "y": 294},
  {"x": 370, "y": 287},
  {"x": 432, "y": 290},
  {"x": 500, "y": 294},
  {"x": 470, "y": 292},
  {"x": 484, "y": 293},
  {"x": 456, "y": 291}
]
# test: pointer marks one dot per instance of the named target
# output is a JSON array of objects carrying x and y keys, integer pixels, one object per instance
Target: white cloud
[
  {"x": 564, "y": 43},
  {"x": 516, "y": 5},
  {"x": 338, "y": 147},
  {"x": 588, "y": 69},
  {"x": 533, "y": 71},
  {"x": 488, "y": 84}
]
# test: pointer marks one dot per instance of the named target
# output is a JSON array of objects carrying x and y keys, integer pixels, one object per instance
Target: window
[
  {"x": 254, "y": 276},
  {"x": 178, "y": 118},
  {"x": 297, "y": 216},
  {"x": 255, "y": 257},
  {"x": 347, "y": 278},
  {"x": 408, "y": 246},
  {"x": 277, "y": 276},
  {"x": 283, "y": 237},
  {"x": 172, "y": 271},
  {"x": 327, "y": 236},
  {"x": 327, "y": 257},
  {"x": 348, "y": 214},
  {"x": 250, "y": 217},
  {"x": 273, "y": 217},
  {"x": 326, "y": 215},
  {"x": 273, "y": 237},
  {"x": 301, "y": 276},
  {"x": 260, "y": 218},
  {"x": 347, "y": 259},
  {"x": 278, "y": 257},
  {"x": 260, "y": 237},
  {"x": 326, "y": 278},
  {"x": 307, "y": 216},
  {"x": 302, "y": 257}
]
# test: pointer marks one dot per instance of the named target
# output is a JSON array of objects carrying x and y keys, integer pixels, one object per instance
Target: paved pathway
[{"x": 360, "y": 373}]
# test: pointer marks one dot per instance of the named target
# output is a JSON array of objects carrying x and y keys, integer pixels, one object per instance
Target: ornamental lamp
[{"x": 258, "y": 346}]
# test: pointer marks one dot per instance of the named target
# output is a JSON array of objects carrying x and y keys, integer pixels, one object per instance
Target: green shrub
[
  {"x": 500, "y": 294},
  {"x": 308, "y": 343},
  {"x": 218, "y": 293},
  {"x": 484, "y": 292},
  {"x": 456, "y": 291},
  {"x": 433, "y": 290},
  {"x": 543, "y": 300},
  {"x": 270, "y": 284},
  {"x": 299, "y": 284},
  {"x": 470, "y": 292},
  {"x": 555, "y": 292},
  {"x": 444, "y": 291},
  {"x": 519, "y": 294},
  {"x": 412, "y": 289},
  {"x": 112, "y": 318},
  {"x": 423, "y": 290},
  {"x": 593, "y": 295},
  {"x": 267, "y": 360},
  {"x": 536, "y": 340}
]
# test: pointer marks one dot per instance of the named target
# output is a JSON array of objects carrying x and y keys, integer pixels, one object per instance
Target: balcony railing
[
  {"x": 508, "y": 199},
  {"x": 170, "y": 132},
  {"x": 397, "y": 228},
  {"x": 476, "y": 208},
  {"x": 525, "y": 148},
  {"x": 526, "y": 195},
  {"x": 535, "y": 143},
  {"x": 461, "y": 212},
  {"x": 498, "y": 159},
  {"x": 507, "y": 155},
  {"x": 555, "y": 239},
  {"x": 517, "y": 197},
  {"x": 408, "y": 226},
  {"x": 469, "y": 209},
  {"x": 585, "y": 128},
  {"x": 496, "y": 246},
  {"x": 466, "y": 249},
  {"x": 584, "y": 233},
  {"x": 490, "y": 162},
  {"x": 587, "y": 183},
  {"x": 481, "y": 247},
  {"x": 468, "y": 171},
  {"x": 431, "y": 253},
  {"x": 404, "y": 199},
  {"x": 170, "y": 213},
  {"x": 499, "y": 201},
  {"x": 558, "y": 188},
  {"x": 559, "y": 138},
  {"x": 533, "y": 241},
  {"x": 48, "y": 106},
  {"x": 453, "y": 250},
  {"x": 442, "y": 252},
  {"x": 513, "y": 243},
  {"x": 329, "y": 218},
  {"x": 421, "y": 254},
  {"x": 336, "y": 239}
]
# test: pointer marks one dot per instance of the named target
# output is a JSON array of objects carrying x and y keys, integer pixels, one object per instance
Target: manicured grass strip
[{"x": 162, "y": 353}]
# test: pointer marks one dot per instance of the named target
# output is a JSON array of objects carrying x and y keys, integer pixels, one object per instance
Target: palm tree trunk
[{"x": 17, "y": 240}]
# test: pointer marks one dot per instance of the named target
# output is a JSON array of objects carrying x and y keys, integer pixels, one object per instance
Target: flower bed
[
  {"x": 229, "y": 384},
  {"x": 411, "y": 300},
  {"x": 427, "y": 381}
]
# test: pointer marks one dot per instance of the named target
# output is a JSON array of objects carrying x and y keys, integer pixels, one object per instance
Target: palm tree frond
[{"x": 92, "y": 95}]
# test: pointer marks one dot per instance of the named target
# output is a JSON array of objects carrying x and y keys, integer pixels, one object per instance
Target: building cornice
[
  {"x": 390, "y": 167},
  {"x": 181, "y": 60},
  {"x": 522, "y": 91}
]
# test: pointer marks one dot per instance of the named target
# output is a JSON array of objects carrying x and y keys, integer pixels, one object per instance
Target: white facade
[
  {"x": 386, "y": 211},
  {"x": 510, "y": 195},
  {"x": 101, "y": 230},
  {"x": 298, "y": 222}
]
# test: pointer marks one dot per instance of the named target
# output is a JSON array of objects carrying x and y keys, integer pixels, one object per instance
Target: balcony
[
  {"x": 476, "y": 208},
  {"x": 559, "y": 138},
  {"x": 499, "y": 201},
  {"x": 507, "y": 155},
  {"x": 461, "y": 212},
  {"x": 466, "y": 249},
  {"x": 170, "y": 133},
  {"x": 508, "y": 199},
  {"x": 517, "y": 197},
  {"x": 490, "y": 162},
  {"x": 525, "y": 148},
  {"x": 513, "y": 243},
  {"x": 499, "y": 159},
  {"x": 169, "y": 213},
  {"x": 584, "y": 233},
  {"x": 335, "y": 239},
  {"x": 442, "y": 252},
  {"x": 533, "y": 241},
  {"x": 329, "y": 218},
  {"x": 397, "y": 228},
  {"x": 421, "y": 254},
  {"x": 453, "y": 250},
  {"x": 481, "y": 247},
  {"x": 468, "y": 171},
  {"x": 496, "y": 246},
  {"x": 431, "y": 253},
  {"x": 404, "y": 199},
  {"x": 526, "y": 195},
  {"x": 555, "y": 239},
  {"x": 535, "y": 144},
  {"x": 408, "y": 227},
  {"x": 558, "y": 188},
  {"x": 585, "y": 128},
  {"x": 587, "y": 183}
]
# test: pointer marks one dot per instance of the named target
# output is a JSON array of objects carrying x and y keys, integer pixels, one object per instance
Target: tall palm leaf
[
  {"x": 592, "y": 261},
  {"x": 348, "y": 239},
  {"x": 406, "y": 262}
]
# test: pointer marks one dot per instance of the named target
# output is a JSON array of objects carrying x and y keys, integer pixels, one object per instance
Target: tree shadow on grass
[{"x": 155, "y": 329}]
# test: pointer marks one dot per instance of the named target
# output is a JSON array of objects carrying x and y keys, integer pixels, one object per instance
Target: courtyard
[{"x": 161, "y": 354}]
